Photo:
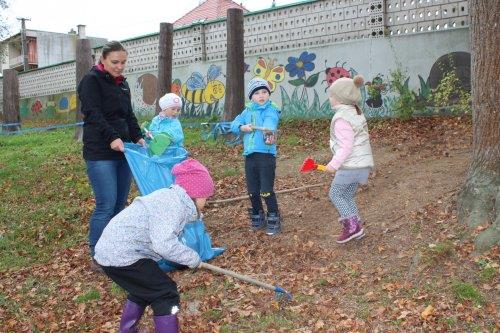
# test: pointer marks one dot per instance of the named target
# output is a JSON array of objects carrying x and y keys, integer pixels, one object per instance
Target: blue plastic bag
[
  {"x": 194, "y": 236},
  {"x": 152, "y": 173}
]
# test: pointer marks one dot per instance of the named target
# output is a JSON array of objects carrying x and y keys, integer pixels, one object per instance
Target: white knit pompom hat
[
  {"x": 346, "y": 91},
  {"x": 170, "y": 100}
]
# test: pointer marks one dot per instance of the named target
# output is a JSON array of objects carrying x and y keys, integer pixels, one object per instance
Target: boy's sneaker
[
  {"x": 273, "y": 224},
  {"x": 351, "y": 230},
  {"x": 258, "y": 221}
]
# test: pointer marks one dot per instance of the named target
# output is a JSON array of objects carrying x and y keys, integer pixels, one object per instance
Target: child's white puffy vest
[{"x": 361, "y": 156}]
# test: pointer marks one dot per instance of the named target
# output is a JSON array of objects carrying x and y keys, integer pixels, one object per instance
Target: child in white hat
[
  {"x": 166, "y": 125},
  {"x": 352, "y": 154}
]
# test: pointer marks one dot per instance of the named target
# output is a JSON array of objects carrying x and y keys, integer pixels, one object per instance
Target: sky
[{"x": 114, "y": 20}]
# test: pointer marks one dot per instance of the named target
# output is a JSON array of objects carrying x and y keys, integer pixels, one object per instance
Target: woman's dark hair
[{"x": 112, "y": 46}]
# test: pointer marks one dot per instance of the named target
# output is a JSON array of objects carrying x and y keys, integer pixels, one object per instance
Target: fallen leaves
[
  {"x": 429, "y": 311},
  {"x": 358, "y": 287}
]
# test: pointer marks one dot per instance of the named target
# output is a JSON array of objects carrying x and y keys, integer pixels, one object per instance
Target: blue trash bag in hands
[
  {"x": 194, "y": 236},
  {"x": 153, "y": 172}
]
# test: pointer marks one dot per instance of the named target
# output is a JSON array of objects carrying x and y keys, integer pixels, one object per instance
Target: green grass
[
  {"x": 43, "y": 186},
  {"x": 230, "y": 172},
  {"x": 213, "y": 314},
  {"x": 439, "y": 252},
  {"x": 90, "y": 295},
  {"x": 464, "y": 291},
  {"x": 290, "y": 140},
  {"x": 487, "y": 274},
  {"x": 45, "y": 196},
  {"x": 450, "y": 322},
  {"x": 117, "y": 291},
  {"x": 487, "y": 271}
]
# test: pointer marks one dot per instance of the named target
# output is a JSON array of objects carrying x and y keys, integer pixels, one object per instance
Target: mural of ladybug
[
  {"x": 375, "y": 89},
  {"x": 332, "y": 74}
]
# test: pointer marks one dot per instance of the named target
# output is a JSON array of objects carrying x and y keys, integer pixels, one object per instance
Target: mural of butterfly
[
  {"x": 267, "y": 71},
  {"x": 196, "y": 91}
]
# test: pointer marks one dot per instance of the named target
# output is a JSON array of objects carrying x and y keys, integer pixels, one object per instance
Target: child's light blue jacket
[
  {"x": 170, "y": 126},
  {"x": 266, "y": 115}
]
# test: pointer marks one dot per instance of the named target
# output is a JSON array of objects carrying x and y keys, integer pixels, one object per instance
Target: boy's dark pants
[
  {"x": 146, "y": 284},
  {"x": 260, "y": 171}
]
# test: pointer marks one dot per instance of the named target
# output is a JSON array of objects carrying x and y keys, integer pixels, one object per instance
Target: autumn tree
[
  {"x": 479, "y": 200},
  {"x": 4, "y": 30}
]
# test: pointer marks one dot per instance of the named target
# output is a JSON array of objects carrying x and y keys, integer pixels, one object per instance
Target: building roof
[{"x": 208, "y": 10}]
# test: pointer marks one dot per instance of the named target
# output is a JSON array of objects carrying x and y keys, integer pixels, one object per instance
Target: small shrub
[
  {"x": 406, "y": 103},
  {"x": 450, "y": 94}
]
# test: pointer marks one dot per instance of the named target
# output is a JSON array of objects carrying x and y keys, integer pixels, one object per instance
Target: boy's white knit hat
[
  {"x": 256, "y": 84},
  {"x": 170, "y": 100},
  {"x": 346, "y": 91}
]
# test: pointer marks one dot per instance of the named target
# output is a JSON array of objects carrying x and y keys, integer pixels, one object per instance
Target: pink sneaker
[{"x": 351, "y": 230}]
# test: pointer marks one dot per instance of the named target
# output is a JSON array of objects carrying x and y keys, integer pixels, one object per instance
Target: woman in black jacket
[{"x": 108, "y": 122}]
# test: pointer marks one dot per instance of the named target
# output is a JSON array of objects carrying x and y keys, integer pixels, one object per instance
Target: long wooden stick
[
  {"x": 243, "y": 197},
  {"x": 237, "y": 276},
  {"x": 258, "y": 128}
]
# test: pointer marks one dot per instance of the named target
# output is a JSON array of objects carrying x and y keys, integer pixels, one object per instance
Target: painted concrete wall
[
  {"x": 301, "y": 89},
  {"x": 300, "y": 49}
]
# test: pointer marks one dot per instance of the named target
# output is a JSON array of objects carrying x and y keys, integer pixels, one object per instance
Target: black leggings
[
  {"x": 146, "y": 284},
  {"x": 260, "y": 171}
]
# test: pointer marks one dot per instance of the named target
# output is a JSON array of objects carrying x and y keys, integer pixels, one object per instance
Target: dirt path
[{"x": 399, "y": 187}]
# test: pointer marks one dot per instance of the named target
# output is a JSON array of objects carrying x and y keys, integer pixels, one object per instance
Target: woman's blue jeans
[{"x": 110, "y": 181}]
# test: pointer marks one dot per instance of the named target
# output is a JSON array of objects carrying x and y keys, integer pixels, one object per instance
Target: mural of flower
[{"x": 299, "y": 66}]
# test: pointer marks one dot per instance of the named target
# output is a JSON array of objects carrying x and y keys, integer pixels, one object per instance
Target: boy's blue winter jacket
[
  {"x": 170, "y": 126},
  {"x": 265, "y": 115}
]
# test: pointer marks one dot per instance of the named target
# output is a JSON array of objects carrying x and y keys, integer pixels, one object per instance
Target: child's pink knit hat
[{"x": 194, "y": 178}]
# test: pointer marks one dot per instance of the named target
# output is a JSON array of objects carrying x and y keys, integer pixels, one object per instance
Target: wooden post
[
  {"x": 235, "y": 65},
  {"x": 165, "y": 50},
  {"x": 84, "y": 63},
  {"x": 11, "y": 100}
]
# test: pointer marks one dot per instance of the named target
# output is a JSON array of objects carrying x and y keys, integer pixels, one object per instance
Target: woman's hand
[
  {"x": 141, "y": 142},
  {"x": 117, "y": 145}
]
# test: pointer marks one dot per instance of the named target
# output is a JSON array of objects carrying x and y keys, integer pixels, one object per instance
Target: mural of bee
[
  {"x": 269, "y": 72},
  {"x": 196, "y": 91}
]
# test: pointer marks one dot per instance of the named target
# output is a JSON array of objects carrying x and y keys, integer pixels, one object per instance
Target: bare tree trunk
[
  {"x": 165, "y": 51},
  {"x": 84, "y": 63},
  {"x": 235, "y": 64},
  {"x": 11, "y": 100},
  {"x": 479, "y": 200}
]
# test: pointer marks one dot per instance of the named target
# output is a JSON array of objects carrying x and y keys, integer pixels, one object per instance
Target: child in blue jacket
[
  {"x": 167, "y": 124},
  {"x": 258, "y": 124}
]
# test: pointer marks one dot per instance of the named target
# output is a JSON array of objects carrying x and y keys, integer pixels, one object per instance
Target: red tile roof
[{"x": 209, "y": 10}]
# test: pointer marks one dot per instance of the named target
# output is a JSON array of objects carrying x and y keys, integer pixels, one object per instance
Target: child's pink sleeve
[{"x": 345, "y": 138}]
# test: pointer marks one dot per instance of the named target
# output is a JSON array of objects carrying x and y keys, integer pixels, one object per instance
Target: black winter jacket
[{"x": 107, "y": 115}]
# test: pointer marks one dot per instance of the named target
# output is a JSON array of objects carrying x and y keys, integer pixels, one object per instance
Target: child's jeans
[
  {"x": 260, "y": 173},
  {"x": 342, "y": 196},
  {"x": 110, "y": 180}
]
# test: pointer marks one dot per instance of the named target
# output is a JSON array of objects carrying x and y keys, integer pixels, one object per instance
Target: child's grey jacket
[{"x": 149, "y": 228}]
